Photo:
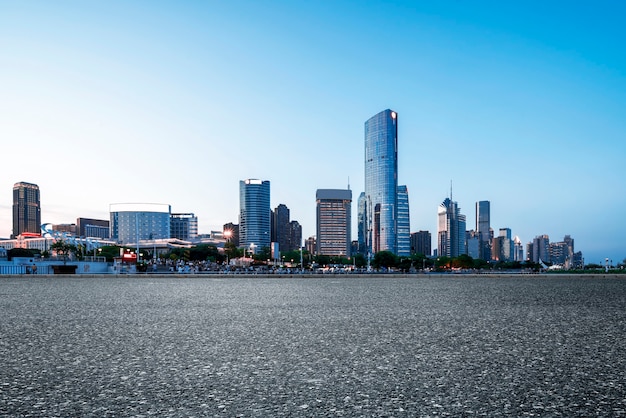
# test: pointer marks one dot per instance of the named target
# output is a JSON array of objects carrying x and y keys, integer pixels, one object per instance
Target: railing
[{"x": 23, "y": 269}]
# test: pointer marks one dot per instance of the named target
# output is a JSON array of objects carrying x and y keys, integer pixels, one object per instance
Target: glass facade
[
  {"x": 254, "y": 213},
  {"x": 404, "y": 222},
  {"x": 362, "y": 224},
  {"x": 132, "y": 222},
  {"x": 381, "y": 181},
  {"x": 184, "y": 226},
  {"x": 483, "y": 226},
  {"x": 451, "y": 230},
  {"x": 26, "y": 209}
]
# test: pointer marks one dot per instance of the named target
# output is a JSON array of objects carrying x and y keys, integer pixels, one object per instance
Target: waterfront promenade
[{"x": 221, "y": 345}]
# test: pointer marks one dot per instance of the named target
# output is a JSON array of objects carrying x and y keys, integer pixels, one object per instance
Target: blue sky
[{"x": 175, "y": 102}]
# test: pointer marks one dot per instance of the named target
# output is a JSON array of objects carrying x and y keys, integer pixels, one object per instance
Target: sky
[{"x": 519, "y": 103}]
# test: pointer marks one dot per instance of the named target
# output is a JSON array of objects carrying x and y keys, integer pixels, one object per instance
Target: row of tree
[{"x": 206, "y": 252}]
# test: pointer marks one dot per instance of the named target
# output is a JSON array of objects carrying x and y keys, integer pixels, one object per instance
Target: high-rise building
[
  {"x": 230, "y": 232},
  {"x": 562, "y": 253},
  {"x": 362, "y": 224},
  {"x": 254, "y": 213},
  {"x": 310, "y": 245},
  {"x": 381, "y": 181},
  {"x": 539, "y": 249},
  {"x": 280, "y": 227},
  {"x": 421, "y": 243},
  {"x": 132, "y": 222},
  {"x": 569, "y": 241},
  {"x": 518, "y": 249},
  {"x": 472, "y": 244},
  {"x": 184, "y": 226},
  {"x": 483, "y": 219},
  {"x": 451, "y": 230},
  {"x": 295, "y": 236},
  {"x": 334, "y": 220},
  {"x": 503, "y": 246},
  {"x": 26, "y": 209},
  {"x": 403, "y": 223}
]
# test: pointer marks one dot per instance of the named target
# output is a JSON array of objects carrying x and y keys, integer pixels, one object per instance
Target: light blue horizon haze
[{"x": 176, "y": 102}]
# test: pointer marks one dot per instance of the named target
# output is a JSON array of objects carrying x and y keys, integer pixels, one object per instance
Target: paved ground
[{"x": 312, "y": 347}]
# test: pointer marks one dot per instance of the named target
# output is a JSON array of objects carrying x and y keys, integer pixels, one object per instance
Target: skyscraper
[
  {"x": 254, "y": 213},
  {"x": 26, "y": 209},
  {"x": 334, "y": 220},
  {"x": 483, "y": 226},
  {"x": 421, "y": 243},
  {"x": 280, "y": 227},
  {"x": 231, "y": 233},
  {"x": 362, "y": 224},
  {"x": 295, "y": 236},
  {"x": 451, "y": 230},
  {"x": 403, "y": 222},
  {"x": 381, "y": 181},
  {"x": 502, "y": 249}
]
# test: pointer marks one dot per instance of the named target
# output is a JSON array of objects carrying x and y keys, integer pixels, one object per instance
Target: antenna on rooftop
[
  {"x": 450, "y": 190},
  {"x": 348, "y": 182}
]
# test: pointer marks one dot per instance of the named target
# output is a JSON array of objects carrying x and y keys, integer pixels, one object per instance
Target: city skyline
[{"x": 521, "y": 106}]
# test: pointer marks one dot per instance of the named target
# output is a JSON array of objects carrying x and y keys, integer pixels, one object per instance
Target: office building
[
  {"x": 310, "y": 245},
  {"x": 403, "y": 223},
  {"x": 472, "y": 244},
  {"x": 133, "y": 222},
  {"x": 230, "y": 233},
  {"x": 254, "y": 214},
  {"x": 361, "y": 224},
  {"x": 93, "y": 228},
  {"x": 280, "y": 228},
  {"x": 421, "y": 243},
  {"x": 483, "y": 229},
  {"x": 381, "y": 181},
  {"x": 184, "y": 226},
  {"x": 539, "y": 249},
  {"x": 502, "y": 249},
  {"x": 451, "y": 230},
  {"x": 518, "y": 249},
  {"x": 295, "y": 236},
  {"x": 334, "y": 208},
  {"x": 26, "y": 209}
]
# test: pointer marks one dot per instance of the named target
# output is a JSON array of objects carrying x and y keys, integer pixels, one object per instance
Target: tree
[
  {"x": 64, "y": 249},
  {"x": 405, "y": 264},
  {"x": 385, "y": 259},
  {"x": 109, "y": 252},
  {"x": 232, "y": 251},
  {"x": 443, "y": 262},
  {"x": 463, "y": 261},
  {"x": 360, "y": 260},
  {"x": 263, "y": 254}
]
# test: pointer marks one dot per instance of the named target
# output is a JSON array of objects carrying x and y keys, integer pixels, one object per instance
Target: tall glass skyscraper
[
  {"x": 483, "y": 229},
  {"x": 26, "y": 209},
  {"x": 254, "y": 213},
  {"x": 381, "y": 181},
  {"x": 362, "y": 224},
  {"x": 404, "y": 222},
  {"x": 451, "y": 230}
]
